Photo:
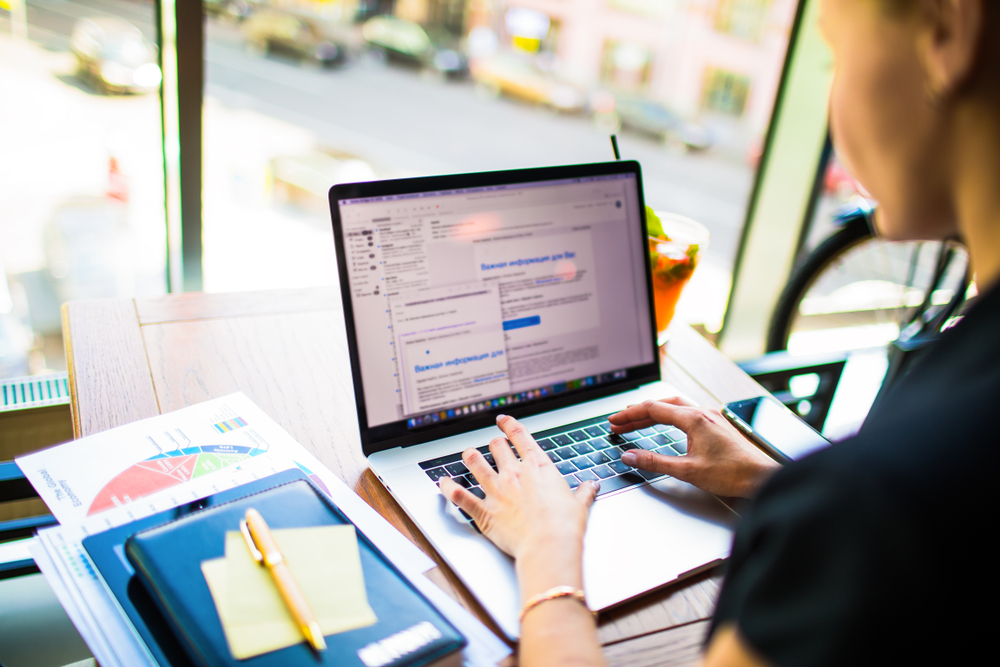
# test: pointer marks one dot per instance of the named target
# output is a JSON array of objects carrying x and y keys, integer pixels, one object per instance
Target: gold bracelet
[{"x": 552, "y": 594}]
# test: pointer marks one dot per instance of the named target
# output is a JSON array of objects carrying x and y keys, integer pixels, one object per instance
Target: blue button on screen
[{"x": 521, "y": 323}]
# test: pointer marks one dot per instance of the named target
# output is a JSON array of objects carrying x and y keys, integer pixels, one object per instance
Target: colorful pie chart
[{"x": 172, "y": 468}]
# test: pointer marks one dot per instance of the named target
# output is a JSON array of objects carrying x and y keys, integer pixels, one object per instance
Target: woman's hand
[
  {"x": 528, "y": 505},
  {"x": 719, "y": 459},
  {"x": 531, "y": 513}
]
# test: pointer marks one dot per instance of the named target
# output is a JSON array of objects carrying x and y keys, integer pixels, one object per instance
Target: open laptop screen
[{"x": 489, "y": 298}]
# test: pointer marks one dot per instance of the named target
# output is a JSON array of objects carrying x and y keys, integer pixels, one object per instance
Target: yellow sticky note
[{"x": 325, "y": 562}]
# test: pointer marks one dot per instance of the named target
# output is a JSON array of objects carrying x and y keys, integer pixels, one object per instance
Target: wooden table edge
[{"x": 74, "y": 396}]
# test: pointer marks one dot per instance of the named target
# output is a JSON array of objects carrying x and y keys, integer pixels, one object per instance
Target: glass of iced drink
[{"x": 675, "y": 246}]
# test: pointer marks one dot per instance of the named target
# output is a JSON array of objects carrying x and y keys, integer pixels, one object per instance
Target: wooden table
[{"x": 287, "y": 351}]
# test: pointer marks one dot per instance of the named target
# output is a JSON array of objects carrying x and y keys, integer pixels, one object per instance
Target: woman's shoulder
[
  {"x": 932, "y": 446},
  {"x": 966, "y": 354},
  {"x": 940, "y": 420},
  {"x": 834, "y": 547}
]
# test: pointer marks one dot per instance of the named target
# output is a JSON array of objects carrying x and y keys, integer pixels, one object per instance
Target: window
[
  {"x": 81, "y": 171},
  {"x": 653, "y": 8},
  {"x": 280, "y": 128},
  {"x": 626, "y": 66},
  {"x": 742, "y": 18},
  {"x": 286, "y": 116},
  {"x": 725, "y": 91}
]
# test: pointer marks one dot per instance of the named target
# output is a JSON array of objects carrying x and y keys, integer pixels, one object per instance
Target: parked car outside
[
  {"x": 114, "y": 56},
  {"x": 311, "y": 40},
  {"x": 234, "y": 10},
  {"x": 518, "y": 77},
  {"x": 646, "y": 116},
  {"x": 405, "y": 42}
]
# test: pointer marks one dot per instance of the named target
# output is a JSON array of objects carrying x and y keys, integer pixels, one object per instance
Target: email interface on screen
[{"x": 467, "y": 300}]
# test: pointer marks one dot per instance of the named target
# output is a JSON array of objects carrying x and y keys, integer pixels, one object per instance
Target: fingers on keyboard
[
  {"x": 590, "y": 453},
  {"x": 437, "y": 473}
]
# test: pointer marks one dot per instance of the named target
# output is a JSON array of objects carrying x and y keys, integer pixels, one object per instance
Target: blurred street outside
[
  {"x": 73, "y": 226},
  {"x": 277, "y": 134}
]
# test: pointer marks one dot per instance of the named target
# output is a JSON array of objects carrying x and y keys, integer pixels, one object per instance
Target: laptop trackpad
[{"x": 647, "y": 537}]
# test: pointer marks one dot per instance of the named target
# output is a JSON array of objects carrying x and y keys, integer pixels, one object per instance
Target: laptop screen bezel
[{"x": 398, "y": 434}]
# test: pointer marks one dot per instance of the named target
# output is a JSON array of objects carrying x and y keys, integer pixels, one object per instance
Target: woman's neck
[{"x": 977, "y": 192}]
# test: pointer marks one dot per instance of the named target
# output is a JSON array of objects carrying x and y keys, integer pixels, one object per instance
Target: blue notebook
[
  {"x": 107, "y": 551},
  {"x": 167, "y": 560}
]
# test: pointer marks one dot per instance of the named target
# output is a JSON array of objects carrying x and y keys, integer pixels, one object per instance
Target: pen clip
[{"x": 248, "y": 538}]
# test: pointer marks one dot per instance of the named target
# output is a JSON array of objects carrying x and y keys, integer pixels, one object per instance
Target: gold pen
[{"x": 264, "y": 550}]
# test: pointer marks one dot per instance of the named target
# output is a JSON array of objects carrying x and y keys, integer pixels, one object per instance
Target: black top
[{"x": 876, "y": 549}]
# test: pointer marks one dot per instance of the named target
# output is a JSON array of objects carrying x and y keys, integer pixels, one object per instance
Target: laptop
[{"x": 523, "y": 292}]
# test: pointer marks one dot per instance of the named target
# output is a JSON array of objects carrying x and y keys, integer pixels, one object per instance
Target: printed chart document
[
  {"x": 137, "y": 470},
  {"x": 122, "y": 466}
]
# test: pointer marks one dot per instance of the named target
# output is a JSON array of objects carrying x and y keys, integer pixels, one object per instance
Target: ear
[{"x": 950, "y": 42}]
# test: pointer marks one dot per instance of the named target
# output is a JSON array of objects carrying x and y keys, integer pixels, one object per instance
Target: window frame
[
  {"x": 784, "y": 191},
  {"x": 181, "y": 37}
]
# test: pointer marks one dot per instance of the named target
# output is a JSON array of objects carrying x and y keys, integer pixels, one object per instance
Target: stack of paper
[{"x": 112, "y": 478}]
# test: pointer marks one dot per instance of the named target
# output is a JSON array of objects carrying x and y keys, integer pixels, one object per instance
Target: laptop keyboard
[{"x": 583, "y": 451}]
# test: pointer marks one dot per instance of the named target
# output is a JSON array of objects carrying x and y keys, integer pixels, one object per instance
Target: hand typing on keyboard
[
  {"x": 718, "y": 458},
  {"x": 530, "y": 511},
  {"x": 527, "y": 502}
]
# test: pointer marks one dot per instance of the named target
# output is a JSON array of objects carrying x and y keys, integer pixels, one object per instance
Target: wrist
[
  {"x": 552, "y": 595},
  {"x": 540, "y": 569},
  {"x": 756, "y": 481}
]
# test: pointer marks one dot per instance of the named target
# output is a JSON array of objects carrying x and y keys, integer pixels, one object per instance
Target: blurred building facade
[{"x": 721, "y": 57}]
